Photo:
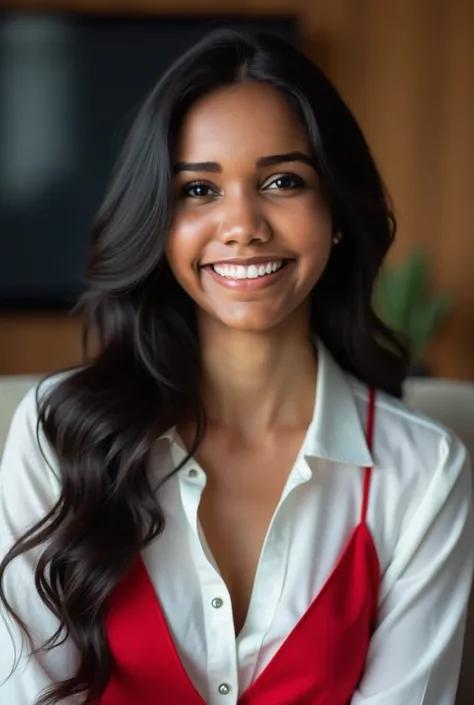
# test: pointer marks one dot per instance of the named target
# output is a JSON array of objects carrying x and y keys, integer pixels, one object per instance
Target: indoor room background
[{"x": 73, "y": 71}]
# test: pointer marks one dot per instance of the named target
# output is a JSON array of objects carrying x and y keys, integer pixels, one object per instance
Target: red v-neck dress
[{"x": 320, "y": 662}]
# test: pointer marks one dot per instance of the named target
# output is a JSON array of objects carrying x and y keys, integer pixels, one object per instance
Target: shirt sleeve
[
  {"x": 415, "y": 652},
  {"x": 28, "y": 489}
]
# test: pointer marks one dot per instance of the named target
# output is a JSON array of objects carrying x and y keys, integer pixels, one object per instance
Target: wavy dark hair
[{"x": 103, "y": 418}]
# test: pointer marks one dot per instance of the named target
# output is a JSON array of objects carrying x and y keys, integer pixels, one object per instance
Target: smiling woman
[
  {"x": 232, "y": 473},
  {"x": 263, "y": 208}
]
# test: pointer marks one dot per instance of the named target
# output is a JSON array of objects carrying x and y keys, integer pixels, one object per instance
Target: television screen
[{"x": 69, "y": 87}]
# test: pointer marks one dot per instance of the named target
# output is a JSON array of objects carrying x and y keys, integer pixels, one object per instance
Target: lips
[
  {"x": 246, "y": 278},
  {"x": 252, "y": 271}
]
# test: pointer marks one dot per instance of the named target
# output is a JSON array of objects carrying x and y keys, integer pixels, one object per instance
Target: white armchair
[
  {"x": 451, "y": 403},
  {"x": 448, "y": 401},
  {"x": 12, "y": 389}
]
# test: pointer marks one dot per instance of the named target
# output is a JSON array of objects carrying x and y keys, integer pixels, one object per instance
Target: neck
[{"x": 257, "y": 382}]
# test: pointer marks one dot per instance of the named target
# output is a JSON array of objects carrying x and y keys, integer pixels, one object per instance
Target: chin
[
  {"x": 255, "y": 317},
  {"x": 252, "y": 323},
  {"x": 250, "y": 326}
]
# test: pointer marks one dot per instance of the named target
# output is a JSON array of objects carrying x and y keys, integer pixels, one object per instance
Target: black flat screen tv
[{"x": 69, "y": 85}]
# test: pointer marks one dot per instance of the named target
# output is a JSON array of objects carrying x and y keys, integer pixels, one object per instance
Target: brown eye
[
  {"x": 198, "y": 190},
  {"x": 285, "y": 182}
]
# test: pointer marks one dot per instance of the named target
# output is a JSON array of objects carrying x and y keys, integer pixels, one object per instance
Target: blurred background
[{"x": 72, "y": 72}]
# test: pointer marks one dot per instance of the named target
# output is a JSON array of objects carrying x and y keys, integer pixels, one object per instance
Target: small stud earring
[{"x": 337, "y": 237}]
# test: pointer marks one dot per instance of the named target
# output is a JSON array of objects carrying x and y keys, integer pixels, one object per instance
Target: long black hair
[{"x": 102, "y": 419}]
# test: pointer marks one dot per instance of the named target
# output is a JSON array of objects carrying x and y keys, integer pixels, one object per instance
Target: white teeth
[{"x": 251, "y": 272}]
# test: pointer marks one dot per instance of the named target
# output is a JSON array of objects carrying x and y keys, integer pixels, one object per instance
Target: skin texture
[
  {"x": 259, "y": 362},
  {"x": 244, "y": 210}
]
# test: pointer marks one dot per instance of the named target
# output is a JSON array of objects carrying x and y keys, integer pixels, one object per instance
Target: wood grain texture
[
  {"x": 39, "y": 343},
  {"x": 405, "y": 68}
]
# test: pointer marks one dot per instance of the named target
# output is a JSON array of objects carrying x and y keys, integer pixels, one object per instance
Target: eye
[
  {"x": 197, "y": 190},
  {"x": 285, "y": 182}
]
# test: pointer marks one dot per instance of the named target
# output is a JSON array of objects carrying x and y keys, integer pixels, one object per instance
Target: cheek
[
  {"x": 305, "y": 217},
  {"x": 186, "y": 243},
  {"x": 312, "y": 231},
  {"x": 318, "y": 257},
  {"x": 184, "y": 246}
]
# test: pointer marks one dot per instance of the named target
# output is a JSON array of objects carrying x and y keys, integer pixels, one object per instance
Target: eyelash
[{"x": 297, "y": 183}]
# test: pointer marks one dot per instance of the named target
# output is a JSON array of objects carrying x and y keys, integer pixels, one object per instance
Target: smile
[
  {"x": 249, "y": 278},
  {"x": 251, "y": 272}
]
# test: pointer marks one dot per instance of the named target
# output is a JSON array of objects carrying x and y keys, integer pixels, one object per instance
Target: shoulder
[
  {"x": 402, "y": 432},
  {"x": 416, "y": 459},
  {"x": 28, "y": 464},
  {"x": 24, "y": 420}
]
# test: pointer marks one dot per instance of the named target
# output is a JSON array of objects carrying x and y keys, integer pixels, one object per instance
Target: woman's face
[{"x": 251, "y": 233}]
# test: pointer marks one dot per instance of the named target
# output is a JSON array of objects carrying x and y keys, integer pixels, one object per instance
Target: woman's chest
[
  {"x": 237, "y": 507},
  {"x": 302, "y": 547}
]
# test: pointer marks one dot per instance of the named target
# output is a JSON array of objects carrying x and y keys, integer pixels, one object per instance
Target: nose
[{"x": 243, "y": 221}]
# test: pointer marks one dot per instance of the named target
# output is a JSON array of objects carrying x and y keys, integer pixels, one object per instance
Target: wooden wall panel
[
  {"x": 420, "y": 62},
  {"x": 32, "y": 344},
  {"x": 406, "y": 68}
]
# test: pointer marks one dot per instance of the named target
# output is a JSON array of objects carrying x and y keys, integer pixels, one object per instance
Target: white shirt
[{"x": 420, "y": 516}]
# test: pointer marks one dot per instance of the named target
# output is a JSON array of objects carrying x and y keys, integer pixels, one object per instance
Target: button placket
[
  {"x": 268, "y": 585},
  {"x": 222, "y": 657},
  {"x": 222, "y": 671}
]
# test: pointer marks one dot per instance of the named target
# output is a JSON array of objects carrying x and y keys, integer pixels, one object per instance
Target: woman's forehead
[{"x": 249, "y": 118}]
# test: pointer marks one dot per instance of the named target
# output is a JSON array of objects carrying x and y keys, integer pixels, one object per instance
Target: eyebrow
[{"x": 272, "y": 160}]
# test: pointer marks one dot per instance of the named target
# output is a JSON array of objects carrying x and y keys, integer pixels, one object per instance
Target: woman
[{"x": 228, "y": 503}]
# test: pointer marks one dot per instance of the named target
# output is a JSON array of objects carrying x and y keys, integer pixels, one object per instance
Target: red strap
[{"x": 370, "y": 438}]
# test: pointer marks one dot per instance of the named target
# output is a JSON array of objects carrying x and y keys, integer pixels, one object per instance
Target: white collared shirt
[{"x": 420, "y": 516}]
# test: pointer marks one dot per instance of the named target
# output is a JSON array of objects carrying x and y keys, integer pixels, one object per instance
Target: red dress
[{"x": 321, "y": 660}]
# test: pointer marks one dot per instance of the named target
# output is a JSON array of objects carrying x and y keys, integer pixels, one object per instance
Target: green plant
[{"x": 403, "y": 301}]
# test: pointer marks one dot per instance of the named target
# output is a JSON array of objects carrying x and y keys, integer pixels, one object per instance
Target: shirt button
[
  {"x": 193, "y": 472},
  {"x": 224, "y": 689},
  {"x": 217, "y": 602}
]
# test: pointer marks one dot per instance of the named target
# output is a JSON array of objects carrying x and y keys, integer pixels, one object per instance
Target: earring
[{"x": 337, "y": 237}]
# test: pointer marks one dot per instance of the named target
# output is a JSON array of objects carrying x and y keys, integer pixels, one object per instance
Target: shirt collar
[{"x": 336, "y": 431}]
